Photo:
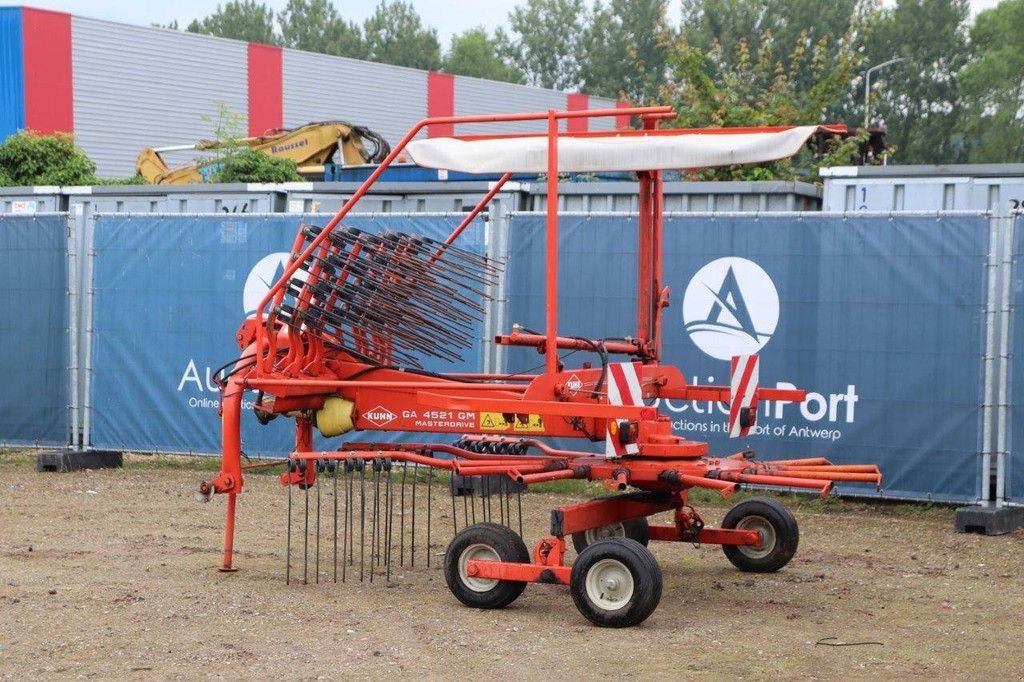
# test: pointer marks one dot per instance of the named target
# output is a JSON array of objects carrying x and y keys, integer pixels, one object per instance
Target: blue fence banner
[
  {"x": 880, "y": 319},
  {"x": 170, "y": 293},
  {"x": 1015, "y": 464},
  {"x": 35, "y": 399}
]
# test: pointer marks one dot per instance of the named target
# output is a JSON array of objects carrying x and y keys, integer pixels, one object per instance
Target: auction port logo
[
  {"x": 731, "y": 307},
  {"x": 263, "y": 276}
]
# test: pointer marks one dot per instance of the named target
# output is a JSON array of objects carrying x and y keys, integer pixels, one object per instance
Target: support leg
[{"x": 229, "y": 535}]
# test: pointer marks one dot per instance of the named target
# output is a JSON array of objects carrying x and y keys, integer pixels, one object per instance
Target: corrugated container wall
[
  {"x": 138, "y": 87},
  {"x": 969, "y": 187}
]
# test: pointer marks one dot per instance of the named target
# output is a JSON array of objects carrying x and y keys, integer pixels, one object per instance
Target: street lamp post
[{"x": 867, "y": 86}]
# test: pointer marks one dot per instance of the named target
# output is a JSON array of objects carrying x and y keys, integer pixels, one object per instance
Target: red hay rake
[{"x": 337, "y": 345}]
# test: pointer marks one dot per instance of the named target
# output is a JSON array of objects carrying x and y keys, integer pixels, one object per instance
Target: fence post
[
  {"x": 73, "y": 299},
  {"x": 88, "y": 291}
]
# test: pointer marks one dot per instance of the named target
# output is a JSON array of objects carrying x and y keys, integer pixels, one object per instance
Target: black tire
[
  {"x": 634, "y": 529},
  {"x": 637, "y": 578},
  {"x": 779, "y": 534},
  {"x": 484, "y": 541}
]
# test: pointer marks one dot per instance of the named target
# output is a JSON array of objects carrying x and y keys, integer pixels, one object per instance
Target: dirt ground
[{"x": 112, "y": 574}]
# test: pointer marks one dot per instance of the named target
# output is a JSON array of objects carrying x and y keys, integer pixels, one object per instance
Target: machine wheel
[
  {"x": 779, "y": 535},
  {"x": 484, "y": 541},
  {"x": 634, "y": 529},
  {"x": 616, "y": 583}
]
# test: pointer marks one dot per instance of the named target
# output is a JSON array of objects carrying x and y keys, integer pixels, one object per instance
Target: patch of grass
[
  {"x": 143, "y": 461},
  {"x": 17, "y": 458},
  {"x": 570, "y": 486}
]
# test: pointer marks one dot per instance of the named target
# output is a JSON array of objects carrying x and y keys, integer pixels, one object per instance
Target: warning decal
[{"x": 495, "y": 421}]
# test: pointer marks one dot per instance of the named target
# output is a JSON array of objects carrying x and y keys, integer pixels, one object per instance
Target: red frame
[{"x": 298, "y": 369}]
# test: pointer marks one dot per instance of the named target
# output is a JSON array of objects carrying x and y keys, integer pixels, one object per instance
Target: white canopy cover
[{"x": 593, "y": 154}]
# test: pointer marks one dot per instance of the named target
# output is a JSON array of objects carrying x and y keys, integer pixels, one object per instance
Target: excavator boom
[{"x": 313, "y": 144}]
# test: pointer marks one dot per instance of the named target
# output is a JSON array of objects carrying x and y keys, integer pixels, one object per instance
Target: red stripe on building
[
  {"x": 577, "y": 101},
  {"x": 622, "y": 122},
  {"x": 49, "y": 98},
  {"x": 440, "y": 102},
  {"x": 266, "y": 97}
]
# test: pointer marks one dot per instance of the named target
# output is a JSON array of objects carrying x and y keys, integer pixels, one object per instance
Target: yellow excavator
[{"x": 309, "y": 146}]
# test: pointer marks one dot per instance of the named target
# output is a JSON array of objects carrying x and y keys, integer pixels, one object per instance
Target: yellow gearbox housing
[{"x": 335, "y": 417}]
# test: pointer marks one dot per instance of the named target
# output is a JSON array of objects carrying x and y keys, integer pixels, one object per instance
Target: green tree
[
  {"x": 28, "y": 158},
  {"x": 992, "y": 86},
  {"x": 548, "y": 40},
  {"x": 395, "y": 34},
  {"x": 238, "y": 19},
  {"x": 919, "y": 99},
  {"x": 316, "y": 26},
  {"x": 781, "y": 31},
  {"x": 627, "y": 45},
  {"x": 474, "y": 53},
  {"x": 254, "y": 166},
  {"x": 717, "y": 91}
]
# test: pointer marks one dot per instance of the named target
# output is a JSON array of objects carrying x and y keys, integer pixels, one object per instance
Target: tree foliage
[
  {"x": 254, "y": 166},
  {"x": 627, "y": 47},
  {"x": 548, "y": 41},
  {"x": 27, "y": 158},
  {"x": 919, "y": 99},
  {"x": 753, "y": 88},
  {"x": 238, "y": 19},
  {"x": 784, "y": 30},
  {"x": 316, "y": 26},
  {"x": 992, "y": 86},
  {"x": 395, "y": 34},
  {"x": 475, "y": 53}
]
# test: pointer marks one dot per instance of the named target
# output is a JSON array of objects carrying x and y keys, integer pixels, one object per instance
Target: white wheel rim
[
  {"x": 477, "y": 552},
  {"x": 609, "y": 585},
  {"x": 613, "y": 530},
  {"x": 767, "y": 530}
]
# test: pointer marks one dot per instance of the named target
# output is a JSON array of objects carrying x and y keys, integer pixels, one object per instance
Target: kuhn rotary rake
[{"x": 337, "y": 345}]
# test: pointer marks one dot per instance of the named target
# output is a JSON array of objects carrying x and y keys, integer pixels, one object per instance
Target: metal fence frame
[
  {"x": 994, "y": 423},
  {"x": 1000, "y": 319},
  {"x": 71, "y": 263}
]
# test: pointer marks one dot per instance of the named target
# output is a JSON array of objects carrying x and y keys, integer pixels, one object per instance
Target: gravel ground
[{"x": 112, "y": 574}]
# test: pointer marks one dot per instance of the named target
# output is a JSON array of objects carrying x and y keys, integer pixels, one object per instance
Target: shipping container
[{"x": 958, "y": 187}]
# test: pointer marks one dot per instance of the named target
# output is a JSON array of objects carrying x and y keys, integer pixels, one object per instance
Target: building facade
[{"x": 121, "y": 88}]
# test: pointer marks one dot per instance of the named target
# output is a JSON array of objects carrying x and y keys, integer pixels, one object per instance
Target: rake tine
[
  {"x": 501, "y": 500},
  {"x": 455, "y": 516},
  {"x": 333, "y": 466},
  {"x": 465, "y": 505},
  {"x": 472, "y": 502},
  {"x": 319, "y": 468},
  {"x": 345, "y": 537},
  {"x": 401, "y": 519},
  {"x": 305, "y": 534},
  {"x": 388, "y": 522},
  {"x": 288, "y": 542},
  {"x": 350, "y": 504},
  {"x": 519, "y": 502},
  {"x": 412, "y": 541},
  {"x": 375, "y": 510},
  {"x": 430, "y": 486},
  {"x": 362, "y": 517}
]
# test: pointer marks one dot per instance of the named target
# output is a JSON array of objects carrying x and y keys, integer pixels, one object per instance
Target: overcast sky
[{"x": 447, "y": 16}]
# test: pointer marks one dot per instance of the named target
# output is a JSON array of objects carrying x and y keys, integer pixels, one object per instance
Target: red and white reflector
[
  {"x": 623, "y": 389},
  {"x": 742, "y": 394}
]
